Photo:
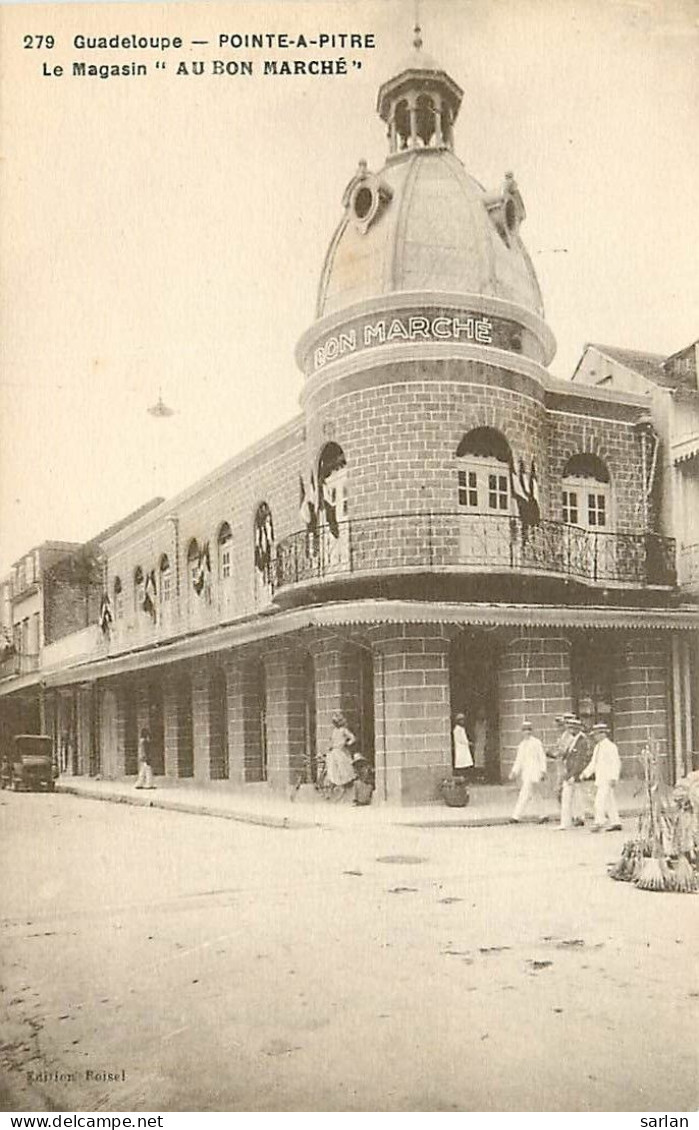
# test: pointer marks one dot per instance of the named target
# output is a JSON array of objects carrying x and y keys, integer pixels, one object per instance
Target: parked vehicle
[{"x": 28, "y": 764}]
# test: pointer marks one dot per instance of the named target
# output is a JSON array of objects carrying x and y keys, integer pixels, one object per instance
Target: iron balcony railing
[
  {"x": 18, "y": 663},
  {"x": 478, "y": 542}
]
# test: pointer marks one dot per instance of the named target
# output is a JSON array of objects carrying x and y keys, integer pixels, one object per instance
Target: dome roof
[{"x": 436, "y": 229}]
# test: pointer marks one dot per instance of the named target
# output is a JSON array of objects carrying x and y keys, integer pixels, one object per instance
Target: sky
[{"x": 165, "y": 235}]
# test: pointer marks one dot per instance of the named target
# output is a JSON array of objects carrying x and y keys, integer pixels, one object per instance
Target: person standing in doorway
[
  {"x": 462, "y": 749},
  {"x": 606, "y": 768},
  {"x": 145, "y": 770},
  {"x": 530, "y": 767},
  {"x": 575, "y": 759}
]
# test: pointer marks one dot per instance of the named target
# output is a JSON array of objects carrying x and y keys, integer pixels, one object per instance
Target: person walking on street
[
  {"x": 145, "y": 772},
  {"x": 575, "y": 759},
  {"x": 530, "y": 767},
  {"x": 560, "y": 748},
  {"x": 462, "y": 750},
  {"x": 606, "y": 768}
]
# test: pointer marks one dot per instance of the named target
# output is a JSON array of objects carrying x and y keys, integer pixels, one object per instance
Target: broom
[
  {"x": 653, "y": 874},
  {"x": 684, "y": 876}
]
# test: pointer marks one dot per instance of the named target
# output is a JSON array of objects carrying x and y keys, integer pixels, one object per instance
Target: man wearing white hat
[
  {"x": 575, "y": 759},
  {"x": 605, "y": 765},
  {"x": 529, "y": 766}
]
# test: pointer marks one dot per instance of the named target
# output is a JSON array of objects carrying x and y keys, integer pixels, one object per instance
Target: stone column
[
  {"x": 336, "y": 670},
  {"x": 178, "y": 725},
  {"x": 127, "y": 730},
  {"x": 244, "y": 731},
  {"x": 170, "y": 724},
  {"x": 143, "y": 703},
  {"x": 201, "y": 721},
  {"x": 412, "y": 713},
  {"x": 534, "y": 683},
  {"x": 286, "y": 716},
  {"x": 641, "y": 699}
]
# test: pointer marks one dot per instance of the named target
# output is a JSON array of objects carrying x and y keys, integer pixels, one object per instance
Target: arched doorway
[
  {"x": 473, "y": 668},
  {"x": 484, "y": 462}
]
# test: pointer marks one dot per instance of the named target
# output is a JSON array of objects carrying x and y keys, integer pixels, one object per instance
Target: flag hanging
[
  {"x": 264, "y": 542},
  {"x": 327, "y": 506},
  {"x": 308, "y": 503},
  {"x": 534, "y": 508},
  {"x": 524, "y": 487},
  {"x": 149, "y": 595},
  {"x": 105, "y": 620},
  {"x": 202, "y": 576}
]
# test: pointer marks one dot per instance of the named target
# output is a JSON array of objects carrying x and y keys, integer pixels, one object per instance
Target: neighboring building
[
  {"x": 445, "y": 526},
  {"x": 23, "y": 612},
  {"x": 672, "y": 473},
  {"x": 49, "y": 609}
]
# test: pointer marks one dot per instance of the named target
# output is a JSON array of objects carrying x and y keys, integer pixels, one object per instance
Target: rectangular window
[
  {"x": 596, "y": 510},
  {"x": 498, "y": 495},
  {"x": 165, "y": 586},
  {"x": 119, "y": 605},
  {"x": 225, "y": 562},
  {"x": 570, "y": 507},
  {"x": 468, "y": 489}
]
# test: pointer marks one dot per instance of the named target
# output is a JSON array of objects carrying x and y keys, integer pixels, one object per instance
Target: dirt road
[{"x": 209, "y": 965}]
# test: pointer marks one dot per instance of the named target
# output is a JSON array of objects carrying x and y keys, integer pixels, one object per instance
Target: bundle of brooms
[{"x": 663, "y": 857}]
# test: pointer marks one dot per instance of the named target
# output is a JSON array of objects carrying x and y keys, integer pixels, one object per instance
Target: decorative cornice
[
  {"x": 405, "y": 352},
  {"x": 376, "y": 611},
  {"x": 407, "y": 299}
]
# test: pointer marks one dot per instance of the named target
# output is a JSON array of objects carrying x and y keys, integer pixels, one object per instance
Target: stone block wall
[
  {"x": 412, "y": 713},
  {"x": 641, "y": 699},
  {"x": 534, "y": 684}
]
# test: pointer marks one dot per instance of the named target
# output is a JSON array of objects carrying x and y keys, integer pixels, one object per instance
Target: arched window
[
  {"x": 224, "y": 542},
  {"x": 484, "y": 472},
  {"x": 332, "y": 483},
  {"x": 425, "y": 119},
  {"x": 192, "y": 563},
  {"x": 165, "y": 579},
  {"x": 118, "y": 599},
  {"x": 402, "y": 124},
  {"x": 333, "y": 504},
  {"x": 586, "y": 498},
  {"x": 139, "y": 582},
  {"x": 263, "y": 551}
]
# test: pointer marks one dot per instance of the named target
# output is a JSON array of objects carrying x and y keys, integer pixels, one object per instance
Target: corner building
[{"x": 445, "y": 527}]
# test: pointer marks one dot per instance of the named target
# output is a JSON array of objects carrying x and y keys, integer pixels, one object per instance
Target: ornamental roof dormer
[{"x": 420, "y": 103}]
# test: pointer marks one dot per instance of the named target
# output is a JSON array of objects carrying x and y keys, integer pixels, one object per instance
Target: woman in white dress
[
  {"x": 339, "y": 770},
  {"x": 462, "y": 749}
]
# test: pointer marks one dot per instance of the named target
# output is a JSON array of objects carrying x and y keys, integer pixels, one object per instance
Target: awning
[
  {"x": 370, "y": 612},
  {"x": 685, "y": 450}
]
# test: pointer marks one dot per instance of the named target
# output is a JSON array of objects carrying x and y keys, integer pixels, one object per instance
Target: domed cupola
[
  {"x": 420, "y": 104},
  {"x": 422, "y": 240}
]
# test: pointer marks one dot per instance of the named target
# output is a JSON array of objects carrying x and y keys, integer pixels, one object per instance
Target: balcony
[
  {"x": 477, "y": 543},
  {"x": 18, "y": 664}
]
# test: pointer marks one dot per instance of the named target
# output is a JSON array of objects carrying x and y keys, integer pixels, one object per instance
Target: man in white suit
[
  {"x": 529, "y": 766},
  {"x": 605, "y": 766}
]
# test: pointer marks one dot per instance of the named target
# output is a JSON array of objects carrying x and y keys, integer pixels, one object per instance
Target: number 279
[{"x": 38, "y": 41}]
